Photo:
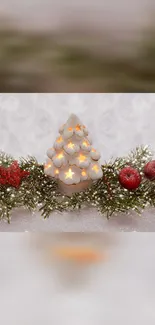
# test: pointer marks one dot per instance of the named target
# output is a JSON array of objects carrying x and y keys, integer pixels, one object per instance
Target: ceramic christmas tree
[{"x": 73, "y": 160}]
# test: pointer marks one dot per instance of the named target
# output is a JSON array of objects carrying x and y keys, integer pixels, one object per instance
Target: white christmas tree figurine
[{"x": 73, "y": 160}]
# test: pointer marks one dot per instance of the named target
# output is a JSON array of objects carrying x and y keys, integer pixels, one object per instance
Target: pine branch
[{"x": 40, "y": 192}]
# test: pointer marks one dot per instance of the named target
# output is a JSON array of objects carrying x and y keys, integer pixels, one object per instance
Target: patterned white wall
[{"x": 117, "y": 123}]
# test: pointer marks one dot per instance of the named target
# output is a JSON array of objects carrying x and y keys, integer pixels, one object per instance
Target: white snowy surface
[
  {"x": 117, "y": 123},
  {"x": 120, "y": 291},
  {"x": 88, "y": 220}
]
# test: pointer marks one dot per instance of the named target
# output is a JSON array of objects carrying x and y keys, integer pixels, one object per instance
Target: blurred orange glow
[{"x": 80, "y": 254}]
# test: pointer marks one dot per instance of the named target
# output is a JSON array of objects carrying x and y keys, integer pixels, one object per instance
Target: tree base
[{"x": 71, "y": 189}]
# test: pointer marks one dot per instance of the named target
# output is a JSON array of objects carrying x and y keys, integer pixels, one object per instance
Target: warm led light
[
  {"x": 57, "y": 171},
  {"x": 81, "y": 158},
  {"x": 59, "y": 140},
  {"x": 83, "y": 173},
  {"x": 85, "y": 143},
  {"x": 70, "y": 129},
  {"x": 69, "y": 174},
  {"x": 71, "y": 145},
  {"x": 48, "y": 165},
  {"x": 93, "y": 150},
  {"x": 60, "y": 155},
  {"x": 95, "y": 168},
  {"x": 78, "y": 127}
]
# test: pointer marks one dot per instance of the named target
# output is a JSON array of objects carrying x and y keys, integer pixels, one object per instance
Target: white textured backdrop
[{"x": 117, "y": 123}]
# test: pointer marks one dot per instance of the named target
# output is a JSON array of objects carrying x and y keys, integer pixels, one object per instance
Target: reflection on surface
[
  {"x": 74, "y": 257},
  {"x": 38, "y": 288}
]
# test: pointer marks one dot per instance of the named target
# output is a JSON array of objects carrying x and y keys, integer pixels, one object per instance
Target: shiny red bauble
[
  {"x": 149, "y": 170},
  {"x": 130, "y": 178}
]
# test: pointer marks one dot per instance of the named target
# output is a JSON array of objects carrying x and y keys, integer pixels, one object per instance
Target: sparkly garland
[{"x": 24, "y": 184}]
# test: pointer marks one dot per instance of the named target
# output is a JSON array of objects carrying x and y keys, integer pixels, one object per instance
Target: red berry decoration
[
  {"x": 149, "y": 170},
  {"x": 129, "y": 178}
]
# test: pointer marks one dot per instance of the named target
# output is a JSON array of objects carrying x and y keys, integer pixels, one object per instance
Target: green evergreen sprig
[{"x": 40, "y": 192}]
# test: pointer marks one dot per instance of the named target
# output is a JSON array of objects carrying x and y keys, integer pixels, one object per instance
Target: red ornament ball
[
  {"x": 129, "y": 178},
  {"x": 149, "y": 170}
]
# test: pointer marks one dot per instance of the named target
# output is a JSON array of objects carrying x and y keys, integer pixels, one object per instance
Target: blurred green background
[{"x": 75, "y": 61}]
